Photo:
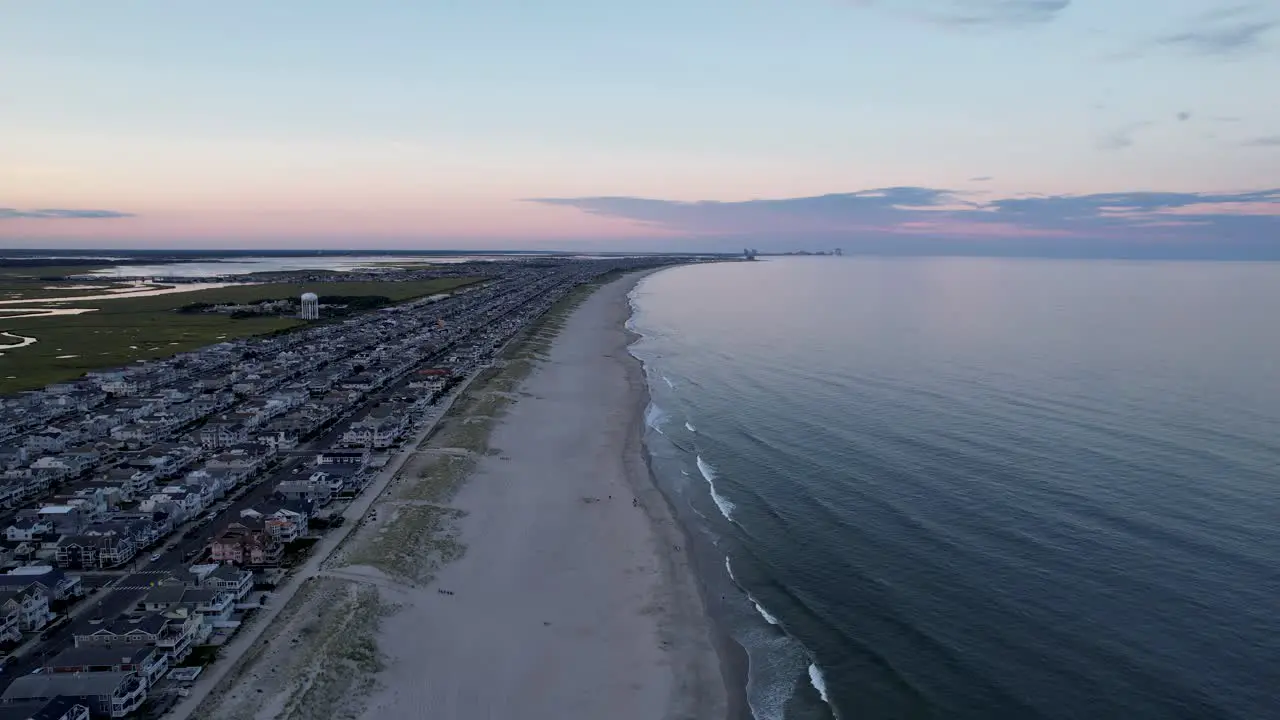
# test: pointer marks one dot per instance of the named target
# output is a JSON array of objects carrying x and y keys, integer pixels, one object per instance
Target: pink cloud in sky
[
  {"x": 461, "y": 219},
  {"x": 959, "y": 228}
]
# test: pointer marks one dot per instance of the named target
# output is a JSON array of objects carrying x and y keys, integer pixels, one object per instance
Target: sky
[{"x": 1044, "y": 127}]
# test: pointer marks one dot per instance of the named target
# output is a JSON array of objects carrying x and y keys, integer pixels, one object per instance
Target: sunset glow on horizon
[{"x": 669, "y": 125}]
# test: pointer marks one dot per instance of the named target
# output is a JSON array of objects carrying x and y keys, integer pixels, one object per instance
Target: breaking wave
[
  {"x": 655, "y": 417},
  {"x": 819, "y": 682},
  {"x": 726, "y": 506}
]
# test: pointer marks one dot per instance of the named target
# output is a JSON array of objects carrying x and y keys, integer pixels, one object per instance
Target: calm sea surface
[{"x": 970, "y": 488}]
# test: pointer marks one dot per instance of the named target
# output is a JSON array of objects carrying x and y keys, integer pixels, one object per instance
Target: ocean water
[{"x": 979, "y": 488}]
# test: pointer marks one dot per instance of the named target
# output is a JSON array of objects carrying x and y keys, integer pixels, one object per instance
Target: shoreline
[
  {"x": 517, "y": 561},
  {"x": 733, "y": 659}
]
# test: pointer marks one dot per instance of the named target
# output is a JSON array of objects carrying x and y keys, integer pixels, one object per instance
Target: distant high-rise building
[
  {"x": 839, "y": 252},
  {"x": 310, "y": 306}
]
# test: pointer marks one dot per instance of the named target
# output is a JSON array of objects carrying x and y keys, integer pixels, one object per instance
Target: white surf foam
[
  {"x": 689, "y": 426},
  {"x": 763, "y": 613},
  {"x": 726, "y": 506},
  {"x": 667, "y": 380},
  {"x": 819, "y": 683},
  {"x": 777, "y": 664},
  {"x": 655, "y": 417}
]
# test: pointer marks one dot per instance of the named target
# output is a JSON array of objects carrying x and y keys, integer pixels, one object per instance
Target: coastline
[
  {"x": 573, "y": 595},
  {"x": 522, "y": 561},
  {"x": 733, "y": 660}
]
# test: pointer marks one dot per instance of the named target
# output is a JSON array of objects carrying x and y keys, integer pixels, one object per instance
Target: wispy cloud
[
  {"x": 1247, "y": 219},
  {"x": 1002, "y": 12},
  {"x": 1122, "y": 137},
  {"x": 981, "y": 178},
  {"x": 1226, "y": 31},
  {"x": 975, "y": 13},
  {"x": 59, "y": 214},
  {"x": 1267, "y": 141}
]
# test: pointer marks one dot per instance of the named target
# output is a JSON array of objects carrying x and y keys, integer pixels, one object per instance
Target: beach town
[{"x": 279, "y": 527}]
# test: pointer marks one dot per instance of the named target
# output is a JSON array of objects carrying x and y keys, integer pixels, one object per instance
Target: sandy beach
[{"x": 520, "y": 564}]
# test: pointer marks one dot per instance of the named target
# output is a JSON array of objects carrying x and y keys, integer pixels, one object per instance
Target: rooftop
[
  {"x": 97, "y": 656},
  {"x": 50, "y": 685}
]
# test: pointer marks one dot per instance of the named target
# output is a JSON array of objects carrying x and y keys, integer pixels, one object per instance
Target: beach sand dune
[{"x": 570, "y": 600}]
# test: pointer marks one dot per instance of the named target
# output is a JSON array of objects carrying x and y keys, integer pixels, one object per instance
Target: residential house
[
  {"x": 242, "y": 460},
  {"x": 343, "y": 457},
  {"x": 13, "y": 490},
  {"x": 146, "y": 660},
  {"x": 246, "y": 543},
  {"x": 141, "y": 532},
  {"x": 13, "y": 456},
  {"x": 28, "y": 529},
  {"x": 10, "y": 623},
  {"x": 279, "y": 521},
  {"x": 163, "y": 460},
  {"x": 90, "y": 502},
  {"x": 113, "y": 495},
  {"x": 59, "y": 708},
  {"x": 48, "y": 440},
  {"x": 229, "y": 579},
  {"x": 98, "y": 425},
  {"x": 315, "y": 489},
  {"x": 132, "y": 482},
  {"x": 222, "y": 433},
  {"x": 56, "y": 468},
  {"x": 174, "y": 633},
  {"x": 139, "y": 434},
  {"x": 280, "y": 435},
  {"x": 125, "y": 384},
  {"x": 107, "y": 695},
  {"x": 21, "y": 484},
  {"x": 66, "y": 519},
  {"x": 214, "y": 606},
  {"x": 95, "y": 551},
  {"x": 57, "y": 585},
  {"x": 362, "y": 382},
  {"x": 379, "y": 429},
  {"x": 157, "y": 524},
  {"x": 210, "y": 486},
  {"x": 32, "y": 606},
  {"x": 189, "y": 501}
]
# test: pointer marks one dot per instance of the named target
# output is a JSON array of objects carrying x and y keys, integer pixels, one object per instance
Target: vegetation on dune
[
  {"x": 414, "y": 543},
  {"x": 343, "y": 660}
]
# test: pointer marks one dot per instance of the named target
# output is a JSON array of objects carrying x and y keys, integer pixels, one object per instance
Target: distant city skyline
[{"x": 1040, "y": 127}]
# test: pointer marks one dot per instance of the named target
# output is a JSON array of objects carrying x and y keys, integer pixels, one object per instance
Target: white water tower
[{"x": 310, "y": 306}]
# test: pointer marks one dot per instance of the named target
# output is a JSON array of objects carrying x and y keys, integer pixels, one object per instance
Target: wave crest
[
  {"x": 725, "y": 504},
  {"x": 819, "y": 682}
]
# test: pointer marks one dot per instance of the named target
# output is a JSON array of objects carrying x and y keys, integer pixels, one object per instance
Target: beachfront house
[
  {"x": 108, "y": 695},
  {"x": 149, "y": 662}
]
